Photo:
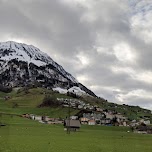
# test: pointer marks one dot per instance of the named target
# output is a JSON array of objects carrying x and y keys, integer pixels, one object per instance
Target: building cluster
[
  {"x": 135, "y": 123},
  {"x": 104, "y": 118},
  {"x": 143, "y": 129},
  {"x": 96, "y": 115},
  {"x": 87, "y": 118},
  {"x": 78, "y": 104},
  {"x": 89, "y": 115},
  {"x": 43, "y": 119}
]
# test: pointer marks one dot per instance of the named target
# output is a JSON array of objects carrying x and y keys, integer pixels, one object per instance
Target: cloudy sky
[{"x": 105, "y": 44}]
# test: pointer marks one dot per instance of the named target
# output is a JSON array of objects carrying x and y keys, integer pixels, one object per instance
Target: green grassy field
[
  {"x": 23, "y": 135},
  {"x": 28, "y": 103}
]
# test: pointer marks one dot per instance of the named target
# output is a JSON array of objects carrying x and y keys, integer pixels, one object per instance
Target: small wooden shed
[{"x": 73, "y": 125}]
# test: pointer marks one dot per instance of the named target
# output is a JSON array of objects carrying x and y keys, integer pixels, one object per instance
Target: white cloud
[
  {"x": 82, "y": 78},
  {"x": 124, "y": 53},
  {"x": 135, "y": 97},
  {"x": 145, "y": 76},
  {"x": 135, "y": 74},
  {"x": 84, "y": 60},
  {"x": 141, "y": 22}
]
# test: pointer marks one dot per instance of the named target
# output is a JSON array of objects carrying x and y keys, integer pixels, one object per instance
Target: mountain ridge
[{"x": 22, "y": 64}]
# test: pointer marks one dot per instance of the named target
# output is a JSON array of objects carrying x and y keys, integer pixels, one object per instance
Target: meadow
[
  {"x": 24, "y": 135},
  {"x": 29, "y": 102}
]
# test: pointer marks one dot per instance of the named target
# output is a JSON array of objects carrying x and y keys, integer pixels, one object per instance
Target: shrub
[
  {"x": 72, "y": 94},
  {"x": 49, "y": 101},
  {"x": 14, "y": 105},
  {"x": 5, "y": 89}
]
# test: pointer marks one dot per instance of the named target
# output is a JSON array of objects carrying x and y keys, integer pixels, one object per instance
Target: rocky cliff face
[{"x": 22, "y": 65}]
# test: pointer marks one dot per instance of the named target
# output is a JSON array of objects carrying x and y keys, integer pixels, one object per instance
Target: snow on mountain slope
[
  {"x": 76, "y": 90},
  {"x": 28, "y": 53},
  {"x": 60, "y": 90},
  {"x": 23, "y": 52},
  {"x": 25, "y": 65},
  {"x": 73, "y": 89}
]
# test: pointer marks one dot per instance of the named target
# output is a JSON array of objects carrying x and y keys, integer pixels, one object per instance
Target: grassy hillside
[
  {"x": 24, "y": 135},
  {"x": 26, "y": 101},
  {"x": 132, "y": 112},
  {"x": 22, "y": 100}
]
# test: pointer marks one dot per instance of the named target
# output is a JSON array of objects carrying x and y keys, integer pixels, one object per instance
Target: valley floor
[{"x": 24, "y": 135}]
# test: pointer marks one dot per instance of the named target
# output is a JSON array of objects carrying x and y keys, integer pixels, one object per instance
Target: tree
[{"x": 49, "y": 101}]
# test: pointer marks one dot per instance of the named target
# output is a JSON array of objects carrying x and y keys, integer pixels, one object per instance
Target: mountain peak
[
  {"x": 22, "y": 64},
  {"x": 23, "y": 52}
]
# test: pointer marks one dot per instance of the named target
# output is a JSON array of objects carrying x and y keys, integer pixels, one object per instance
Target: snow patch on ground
[
  {"x": 77, "y": 91},
  {"x": 74, "y": 89},
  {"x": 60, "y": 90}
]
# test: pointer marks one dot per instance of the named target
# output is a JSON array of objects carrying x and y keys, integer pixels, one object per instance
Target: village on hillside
[{"x": 92, "y": 115}]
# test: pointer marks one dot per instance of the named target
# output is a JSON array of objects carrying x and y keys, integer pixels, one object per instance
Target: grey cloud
[
  {"x": 65, "y": 30},
  {"x": 140, "y": 101}
]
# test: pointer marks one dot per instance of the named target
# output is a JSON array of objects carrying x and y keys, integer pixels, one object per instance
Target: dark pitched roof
[
  {"x": 143, "y": 128},
  {"x": 72, "y": 123}
]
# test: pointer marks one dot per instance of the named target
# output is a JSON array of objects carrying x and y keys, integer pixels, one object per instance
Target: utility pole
[{"x": 68, "y": 121}]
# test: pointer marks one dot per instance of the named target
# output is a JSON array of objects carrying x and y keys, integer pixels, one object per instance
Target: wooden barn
[{"x": 72, "y": 125}]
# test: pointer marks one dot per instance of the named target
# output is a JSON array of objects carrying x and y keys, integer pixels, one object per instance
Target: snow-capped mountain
[{"x": 22, "y": 64}]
